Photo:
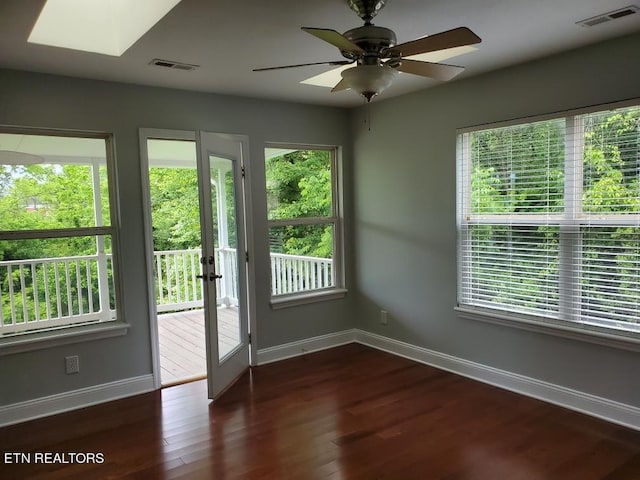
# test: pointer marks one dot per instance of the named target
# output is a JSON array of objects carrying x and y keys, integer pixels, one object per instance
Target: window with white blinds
[{"x": 549, "y": 220}]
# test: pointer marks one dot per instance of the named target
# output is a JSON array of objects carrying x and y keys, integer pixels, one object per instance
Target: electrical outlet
[
  {"x": 72, "y": 364},
  {"x": 384, "y": 317}
]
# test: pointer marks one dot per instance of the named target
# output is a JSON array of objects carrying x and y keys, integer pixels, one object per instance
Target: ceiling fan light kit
[
  {"x": 368, "y": 80},
  {"x": 377, "y": 55}
]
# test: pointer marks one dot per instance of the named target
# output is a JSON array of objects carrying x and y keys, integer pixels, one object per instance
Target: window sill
[
  {"x": 52, "y": 338},
  {"x": 294, "y": 299},
  {"x": 625, "y": 340}
]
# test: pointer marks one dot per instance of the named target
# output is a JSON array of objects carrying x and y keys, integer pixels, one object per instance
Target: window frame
[
  {"x": 63, "y": 333},
  {"x": 338, "y": 289},
  {"x": 572, "y": 218}
]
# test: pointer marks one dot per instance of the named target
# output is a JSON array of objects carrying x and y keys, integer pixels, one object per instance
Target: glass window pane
[
  {"x": 298, "y": 183},
  {"x": 301, "y": 258},
  {"x": 513, "y": 268},
  {"x": 610, "y": 277},
  {"x": 49, "y": 182},
  {"x": 518, "y": 169},
  {"x": 611, "y": 181}
]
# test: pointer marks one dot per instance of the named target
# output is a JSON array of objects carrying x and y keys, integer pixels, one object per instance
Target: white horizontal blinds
[
  {"x": 518, "y": 170},
  {"x": 510, "y": 245},
  {"x": 609, "y": 279},
  {"x": 550, "y": 219},
  {"x": 513, "y": 268},
  {"x": 611, "y": 168}
]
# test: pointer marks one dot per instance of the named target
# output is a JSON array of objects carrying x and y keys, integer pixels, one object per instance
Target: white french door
[
  {"x": 205, "y": 283},
  {"x": 224, "y": 272}
]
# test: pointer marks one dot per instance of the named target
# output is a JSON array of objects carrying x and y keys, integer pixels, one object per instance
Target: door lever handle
[{"x": 211, "y": 277}]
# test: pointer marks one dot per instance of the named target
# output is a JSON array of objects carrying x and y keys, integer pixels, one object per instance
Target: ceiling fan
[{"x": 378, "y": 58}]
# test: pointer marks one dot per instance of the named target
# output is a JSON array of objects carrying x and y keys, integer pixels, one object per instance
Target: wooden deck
[{"x": 182, "y": 343}]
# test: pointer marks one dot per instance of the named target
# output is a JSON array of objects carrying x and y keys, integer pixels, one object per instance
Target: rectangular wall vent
[
  {"x": 171, "y": 64},
  {"x": 605, "y": 17}
]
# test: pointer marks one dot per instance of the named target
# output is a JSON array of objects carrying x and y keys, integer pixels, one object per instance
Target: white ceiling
[{"x": 228, "y": 38}]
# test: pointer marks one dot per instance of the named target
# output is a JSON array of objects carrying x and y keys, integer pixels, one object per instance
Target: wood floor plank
[{"x": 347, "y": 413}]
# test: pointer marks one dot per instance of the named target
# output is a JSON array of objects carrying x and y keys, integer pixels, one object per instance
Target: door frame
[{"x": 191, "y": 135}]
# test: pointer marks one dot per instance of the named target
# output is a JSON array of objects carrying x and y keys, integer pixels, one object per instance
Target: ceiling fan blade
[
  {"x": 342, "y": 85},
  {"x": 336, "y": 39},
  {"x": 439, "y": 71},
  {"x": 339, "y": 62},
  {"x": 440, "y": 41}
]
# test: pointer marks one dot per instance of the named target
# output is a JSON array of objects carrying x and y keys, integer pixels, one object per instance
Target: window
[
  {"x": 549, "y": 221},
  {"x": 304, "y": 230},
  {"x": 56, "y": 232}
]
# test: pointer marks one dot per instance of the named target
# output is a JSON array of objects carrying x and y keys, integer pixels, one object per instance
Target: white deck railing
[
  {"x": 177, "y": 287},
  {"x": 51, "y": 292},
  {"x": 293, "y": 273}
]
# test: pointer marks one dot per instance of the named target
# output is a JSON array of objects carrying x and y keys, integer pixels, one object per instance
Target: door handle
[{"x": 211, "y": 277}]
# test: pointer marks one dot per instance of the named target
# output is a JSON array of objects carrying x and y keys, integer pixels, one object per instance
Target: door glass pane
[{"x": 223, "y": 209}]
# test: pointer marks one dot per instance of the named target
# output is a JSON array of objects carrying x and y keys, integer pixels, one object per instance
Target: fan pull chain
[{"x": 367, "y": 119}]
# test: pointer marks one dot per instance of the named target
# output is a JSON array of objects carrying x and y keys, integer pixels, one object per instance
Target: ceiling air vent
[
  {"x": 171, "y": 64},
  {"x": 605, "y": 17}
]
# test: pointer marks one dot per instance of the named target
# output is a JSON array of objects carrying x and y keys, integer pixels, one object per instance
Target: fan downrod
[{"x": 366, "y": 9}]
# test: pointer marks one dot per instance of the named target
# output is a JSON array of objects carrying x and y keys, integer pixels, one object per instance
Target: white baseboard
[
  {"x": 84, "y": 397},
  {"x": 302, "y": 347},
  {"x": 620, "y": 413}
]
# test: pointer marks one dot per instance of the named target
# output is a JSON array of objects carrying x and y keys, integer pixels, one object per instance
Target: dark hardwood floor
[{"x": 347, "y": 413}]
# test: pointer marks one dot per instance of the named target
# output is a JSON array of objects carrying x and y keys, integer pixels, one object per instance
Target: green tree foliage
[
  {"x": 299, "y": 186},
  {"x": 611, "y": 163},
  {"x": 174, "y": 208},
  {"x": 48, "y": 197}
]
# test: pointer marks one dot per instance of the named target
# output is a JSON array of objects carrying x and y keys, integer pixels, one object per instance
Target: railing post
[
  {"x": 103, "y": 282},
  {"x": 230, "y": 263},
  {"x": 12, "y": 300}
]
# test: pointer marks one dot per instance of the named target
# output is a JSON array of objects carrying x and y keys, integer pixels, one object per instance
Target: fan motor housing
[{"x": 372, "y": 39}]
